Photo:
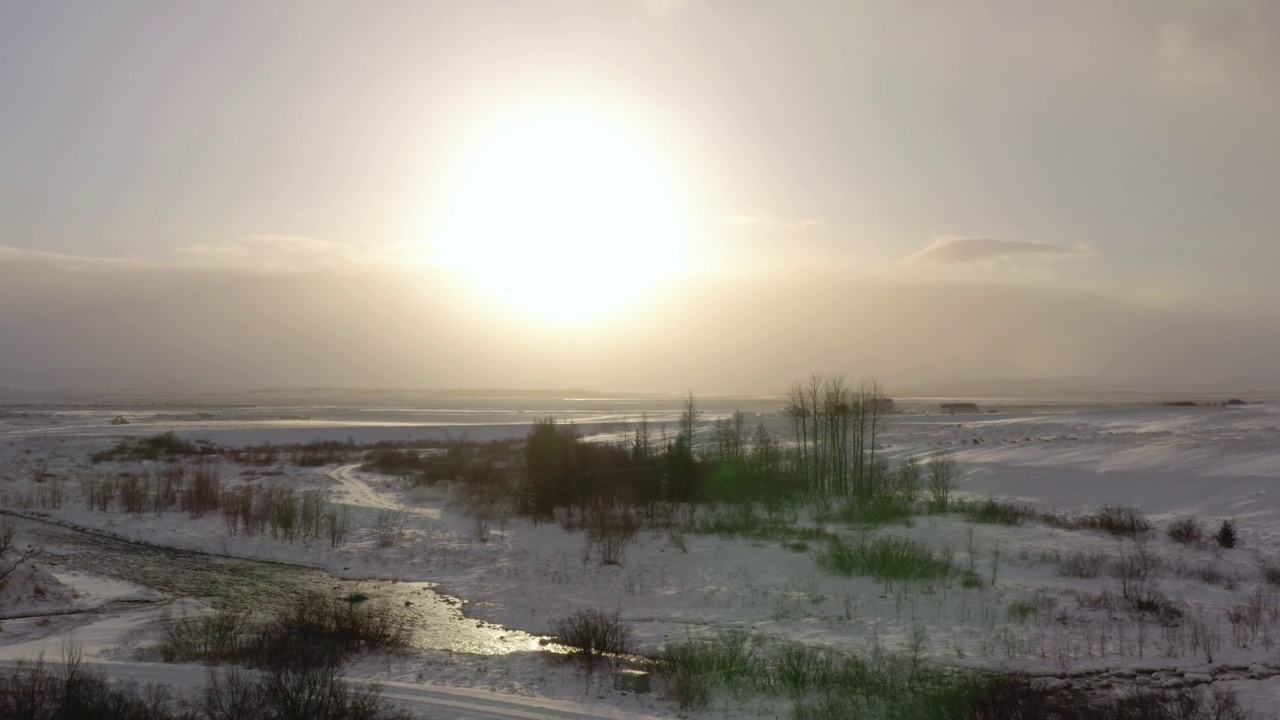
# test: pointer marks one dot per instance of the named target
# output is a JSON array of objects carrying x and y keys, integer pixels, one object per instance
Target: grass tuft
[
  {"x": 594, "y": 635},
  {"x": 994, "y": 512},
  {"x": 885, "y": 558}
]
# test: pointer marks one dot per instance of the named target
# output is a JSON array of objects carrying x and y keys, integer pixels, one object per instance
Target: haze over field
[{"x": 641, "y": 195}]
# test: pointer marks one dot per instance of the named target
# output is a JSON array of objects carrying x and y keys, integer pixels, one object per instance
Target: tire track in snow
[
  {"x": 355, "y": 491},
  {"x": 486, "y": 705}
]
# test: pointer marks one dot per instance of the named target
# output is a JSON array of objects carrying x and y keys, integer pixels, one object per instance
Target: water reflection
[{"x": 437, "y": 620}]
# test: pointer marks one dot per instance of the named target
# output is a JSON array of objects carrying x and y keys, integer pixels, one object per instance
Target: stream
[{"x": 436, "y": 619}]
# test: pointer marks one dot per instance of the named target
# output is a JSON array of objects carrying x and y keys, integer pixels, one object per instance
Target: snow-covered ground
[{"x": 1213, "y": 463}]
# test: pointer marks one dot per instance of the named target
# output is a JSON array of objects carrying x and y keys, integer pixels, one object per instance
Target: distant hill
[
  {"x": 1058, "y": 387},
  {"x": 90, "y": 378}
]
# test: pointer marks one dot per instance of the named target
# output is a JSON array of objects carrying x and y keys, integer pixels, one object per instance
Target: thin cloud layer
[
  {"x": 13, "y": 257},
  {"x": 964, "y": 251},
  {"x": 290, "y": 253},
  {"x": 217, "y": 326},
  {"x": 663, "y": 8},
  {"x": 767, "y": 219}
]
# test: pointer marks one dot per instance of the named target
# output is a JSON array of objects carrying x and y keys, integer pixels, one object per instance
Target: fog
[{"x": 71, "y": 323}]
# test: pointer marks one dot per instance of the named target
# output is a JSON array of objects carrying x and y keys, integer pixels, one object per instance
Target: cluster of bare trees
[{"x": 836, "y": 428}]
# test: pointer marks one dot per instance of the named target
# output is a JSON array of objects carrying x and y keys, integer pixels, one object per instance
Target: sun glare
[{"x": 564, "y": 219}]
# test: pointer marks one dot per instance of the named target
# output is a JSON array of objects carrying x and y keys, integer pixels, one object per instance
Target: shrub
[
  {"x": 995, "y": 513},
  {"x": 1020, "y": 696},
  {"x": 695, "y": 667},
  {"x": 315, "y": 693},
  {"x": 1148, "y": 599},
  {"x": 316, "y": 631},
  {"x": 1227, "y": 535},
  {"x": 1119, "y": 521},
  {"x": 155, "y": 447},
  {"x": 167, "y": 486},
  {"x": 594, "y": 635},
  {"x": 336, "y": 524},
  {"x": 321, "y": 631},
  {"x": 1134, "y": 568},
  {"x": 135, "y": 495},
  {"x": 388, "y": 528},
  {"x": 1022, "y": 610},
  {"x": 203, "y": 491},
  {"x": 1185, "y": 531},
  {"x": 907, "y": 481},
  {"x": 38, "y": 691},
  {"x": 610, "y": 532},
  {"x": 1081, "y": 565},
  {"x": 796, "y": 670},
  {"x": 822, "y": 683},
  {"x": 876, "y": 510},
  {"x": 884, "y": 558},
  {"x": 1270, "y": 571},
  {"x": 1211, "y": 574},
  {"x": 944, "y": 478},
  {"x": 214, "y": 638}
]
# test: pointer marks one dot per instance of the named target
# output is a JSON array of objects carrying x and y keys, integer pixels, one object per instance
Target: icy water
[{"x": 438, "y": 621}]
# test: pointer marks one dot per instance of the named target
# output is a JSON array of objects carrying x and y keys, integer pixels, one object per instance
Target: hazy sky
[{"x": 243, "y": 194}]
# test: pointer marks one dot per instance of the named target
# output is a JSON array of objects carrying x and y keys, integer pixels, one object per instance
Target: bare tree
[
  {"x": 679, "y": 458},
  {"x": 908, "y": 480},
  {"x": 731, "y": 437},
  {"x": 642, "y": 442},
  {"x": 690, "y": 416},
  {"x": 836, "y": 406},
  {"x": 871, "y": 397},
  {"x": 944, "y": 478},
  {"x": 798, "y": 410}
]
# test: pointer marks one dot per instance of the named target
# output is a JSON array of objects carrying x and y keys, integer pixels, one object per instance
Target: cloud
[
  {"x": 663, "y": 8},
  {"x": 261, "y": 253},
  {"x": 963, "y": 251},
  {"x": 772, "y": 220},
  {"x": 291, "y": 253},
  {"x": 19, "y": 256},
  {"x": 227, "y": 324},
  {"x": 1213, "y": 45}
]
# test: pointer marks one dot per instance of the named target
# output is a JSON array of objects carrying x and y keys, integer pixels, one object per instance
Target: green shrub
[
  {"x": 995, "y": 513},
  {"x": 696, "y": 667},
  {"x": 1227, "y": 535},
  {"x": 885, "y": 558},
  {"x": 1120, "y": 521}
]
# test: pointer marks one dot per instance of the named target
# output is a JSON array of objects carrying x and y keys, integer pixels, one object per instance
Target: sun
[{"x": 564, "y": 219}]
